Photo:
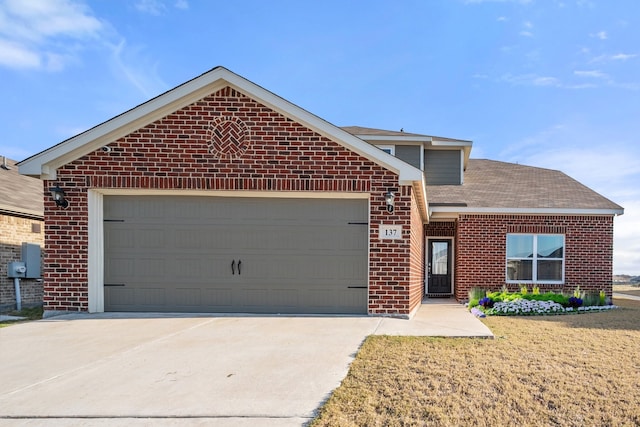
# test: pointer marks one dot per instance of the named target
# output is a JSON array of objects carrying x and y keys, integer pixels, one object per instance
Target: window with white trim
[
  {"x": 535, "y": 258},
  {"x": 389, "y": 149}
]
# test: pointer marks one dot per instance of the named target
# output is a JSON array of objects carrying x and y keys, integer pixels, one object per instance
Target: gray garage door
[{"x": 252, "y": 255}]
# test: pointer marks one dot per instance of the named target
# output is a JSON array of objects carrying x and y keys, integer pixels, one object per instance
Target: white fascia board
[
  {"x": 447, "y": 210},
  {"x": 451, "y": 144},
  {"x": 394, "y": 139}
]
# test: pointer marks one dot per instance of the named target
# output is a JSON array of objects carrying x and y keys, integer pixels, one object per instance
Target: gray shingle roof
[
  {"x": 493, "y": 184},
  {"x": 359, "y": 130},
  {"x": 19, "y": 194}
]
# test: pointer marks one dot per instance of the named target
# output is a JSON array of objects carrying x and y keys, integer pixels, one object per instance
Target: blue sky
[{"x": 548, "y": 83}]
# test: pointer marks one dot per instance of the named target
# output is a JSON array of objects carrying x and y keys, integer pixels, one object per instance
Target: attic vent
[{"x": 4, "y": 165}]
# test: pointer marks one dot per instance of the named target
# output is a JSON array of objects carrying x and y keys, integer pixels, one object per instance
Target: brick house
[
  {"x": 220, "y": 196},
  {"x": 21, "y": 222}
]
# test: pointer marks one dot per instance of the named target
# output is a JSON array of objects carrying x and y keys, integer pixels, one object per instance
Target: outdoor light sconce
[
  {"x": 57, "y": 194},
  {"x": 388, "y": 198}
]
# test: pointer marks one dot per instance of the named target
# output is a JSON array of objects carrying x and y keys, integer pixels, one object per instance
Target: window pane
[
  {"x": 519, "y": 246},
  {"x": 550, "y": 246},
  {"x": 519, "y": 270},
  {"x": 550, "y": 270},
  {"x": 439, "y": 257}
]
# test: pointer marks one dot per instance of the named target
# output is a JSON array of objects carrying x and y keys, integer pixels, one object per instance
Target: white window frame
[
  {"x": 534, "y": 260},
  {"x": 389, "y": 149}
]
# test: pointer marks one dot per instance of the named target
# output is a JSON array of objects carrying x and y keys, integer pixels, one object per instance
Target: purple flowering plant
[{"x": 486, "y": 302}]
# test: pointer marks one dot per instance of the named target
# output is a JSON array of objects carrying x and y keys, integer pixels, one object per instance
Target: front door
[{"x": 439, "y": 266}]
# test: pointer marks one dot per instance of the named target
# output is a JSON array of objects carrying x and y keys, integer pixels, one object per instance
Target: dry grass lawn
[{"x": 571, "y": 370}]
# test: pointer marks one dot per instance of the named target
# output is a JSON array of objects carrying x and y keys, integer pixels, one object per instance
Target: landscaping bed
[{"x": 531, "y": 303}]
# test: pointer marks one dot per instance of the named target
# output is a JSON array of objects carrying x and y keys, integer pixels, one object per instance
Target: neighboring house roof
[
  {"x": 498, "y": 187},
  {"x": 19, "y": 195}
]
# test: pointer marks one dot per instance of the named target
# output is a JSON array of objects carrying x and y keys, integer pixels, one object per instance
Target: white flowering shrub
[{"x": 523, "y": 307}]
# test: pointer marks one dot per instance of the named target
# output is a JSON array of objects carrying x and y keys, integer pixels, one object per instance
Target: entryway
[{"x": 439, "y": 266}]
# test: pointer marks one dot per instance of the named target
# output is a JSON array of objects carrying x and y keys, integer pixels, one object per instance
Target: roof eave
[{"x": 446, "y": 211}]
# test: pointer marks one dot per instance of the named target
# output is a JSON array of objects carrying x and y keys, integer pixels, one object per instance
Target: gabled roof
[
  {"x": 45, "y": 163},
  {"x": 498, "y": 187},
  {"x": 19, "y": 195}
]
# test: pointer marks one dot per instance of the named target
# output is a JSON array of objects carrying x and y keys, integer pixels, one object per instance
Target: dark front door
[{"x": 439, "y": 267}]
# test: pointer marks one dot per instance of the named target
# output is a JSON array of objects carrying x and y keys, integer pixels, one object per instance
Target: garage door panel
[
  {"x": 186, "y": 298},
  {"x": 298, "y": 255},
  {"x": 218, "y": 297}
]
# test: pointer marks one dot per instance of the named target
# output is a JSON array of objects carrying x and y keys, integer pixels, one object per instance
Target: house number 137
[{"x": 390, "y": 231}]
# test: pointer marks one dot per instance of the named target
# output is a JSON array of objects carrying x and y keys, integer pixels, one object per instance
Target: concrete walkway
[
  {"x": 175, "y": 370},
  {"x": 625, "y": 296}
]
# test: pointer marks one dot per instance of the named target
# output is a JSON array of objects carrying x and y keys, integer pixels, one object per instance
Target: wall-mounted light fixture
[
  {"x": 389, "y": 198},
  {"x": 57, "y": 194}
]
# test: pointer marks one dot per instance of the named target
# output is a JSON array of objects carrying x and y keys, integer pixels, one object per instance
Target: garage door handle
[
  {"x": 239, "y": 264},
  {"x": 233, "y": 267}
]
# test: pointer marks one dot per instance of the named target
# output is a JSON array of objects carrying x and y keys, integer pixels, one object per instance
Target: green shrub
[
  {"x": 473, "y": 303},
  {"x": 592, "y": 298},
  {"x": 476, "y": 293},
  {"x": 548, "y": 296}
]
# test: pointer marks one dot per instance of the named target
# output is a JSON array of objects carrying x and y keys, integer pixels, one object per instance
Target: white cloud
[
  {"x": 33, "y": 33},
  {"x": 16, "y": 55},
  {"x": 153, "y": 7},
  {"x": 182, "y": 4},
  {"x": 497, "y": 1},
  {"x": 130, "y": 64},
  {"x": 623, "y": 56},
  {"x": 530, "y": 80},
  {"x": 591, "y": 73},
  {"x": 615, "y": 57},
  {"x": 158, "y": 7},
  {"x": 602, "y": 35}
]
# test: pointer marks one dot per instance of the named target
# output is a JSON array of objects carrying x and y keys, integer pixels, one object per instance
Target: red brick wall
[
  {"x": 417, "y": 257},
  {"x": 173, "y": 153},
  {"x": 390, "y": 261},
  {"x": 441, "y": 229},
  {"x": 13, "y": 232},
  {"x": 481, "y": 250}
]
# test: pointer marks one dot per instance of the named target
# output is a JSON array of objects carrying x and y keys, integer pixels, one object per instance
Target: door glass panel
[{"x": 439, "y": 257}]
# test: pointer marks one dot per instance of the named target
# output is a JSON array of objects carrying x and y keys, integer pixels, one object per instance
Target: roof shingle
[
  {"x": 500, "y": 185},
  {"x": 20, "y": 194}
]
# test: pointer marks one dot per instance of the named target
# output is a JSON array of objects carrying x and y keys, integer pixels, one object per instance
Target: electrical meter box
[
  {"x": 16, "y": 269},
  {"x": 32, "y": 259}
]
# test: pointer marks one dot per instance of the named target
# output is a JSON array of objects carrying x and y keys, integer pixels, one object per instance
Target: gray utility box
[
  {"x": 33, "y": 260},
  {"x": 17, "y": 269}
]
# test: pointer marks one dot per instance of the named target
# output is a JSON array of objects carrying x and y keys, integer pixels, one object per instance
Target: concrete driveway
[{"x": 109, "y": 369}]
